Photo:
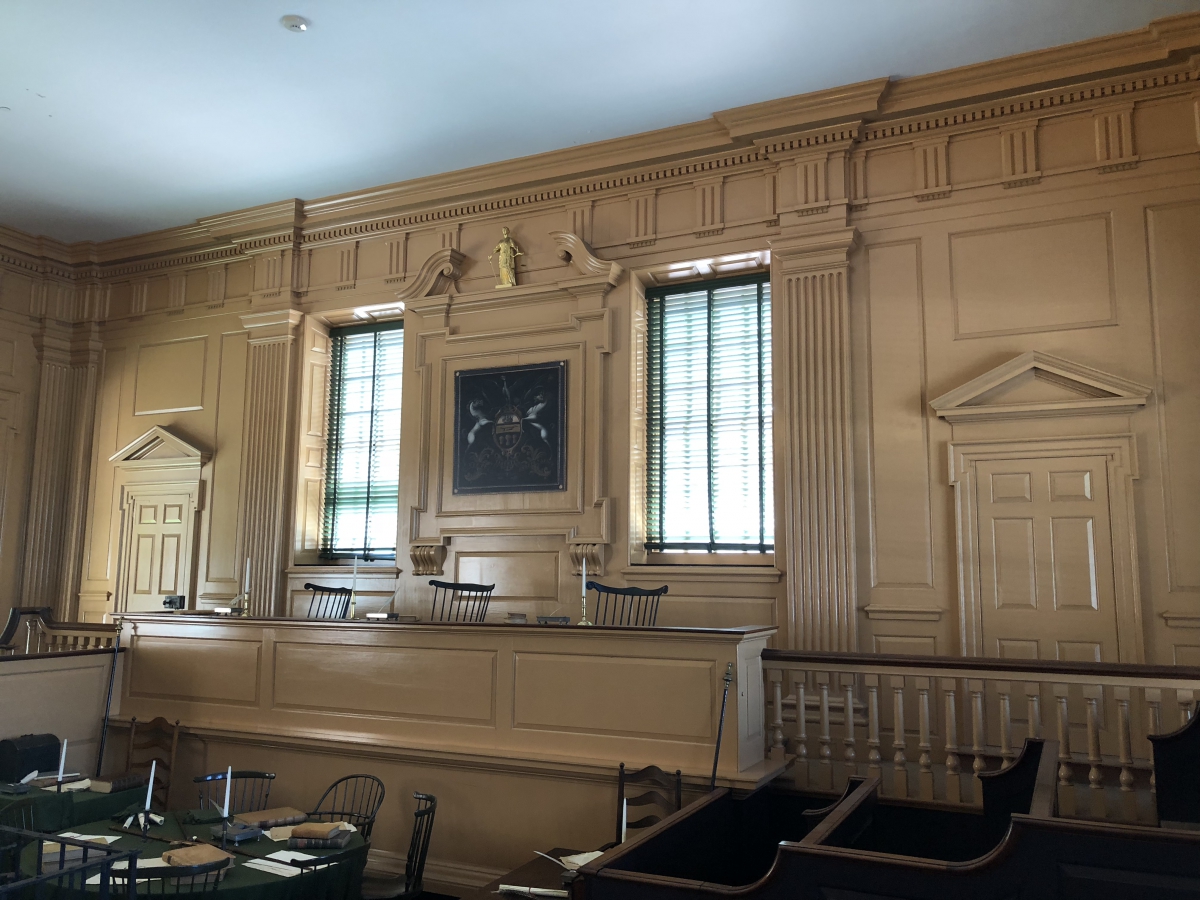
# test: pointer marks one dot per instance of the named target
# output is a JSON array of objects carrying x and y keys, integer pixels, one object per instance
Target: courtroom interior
[{"x": 642, "y": 465}]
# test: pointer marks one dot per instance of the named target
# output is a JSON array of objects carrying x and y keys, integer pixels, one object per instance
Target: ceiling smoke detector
[{"x": 295, "y": 23}]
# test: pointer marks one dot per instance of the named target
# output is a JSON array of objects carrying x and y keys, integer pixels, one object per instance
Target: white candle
[
  {"x": 150, "y": 786},
  {"x": 624, "y": 818},
  {"x": 62, "y": 760},
  {"x": 583, "y": 591},
  {"x": 228, "y": 781},
  {"x": 354, "y": 580},
  {"x": 246, "y": 579}
]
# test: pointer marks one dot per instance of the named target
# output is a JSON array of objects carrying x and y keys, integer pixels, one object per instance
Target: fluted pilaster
[
  {"x": 266, "y": 457},
  {"x": 69, "y": 362},
  {"x": 814, "y": 454}
]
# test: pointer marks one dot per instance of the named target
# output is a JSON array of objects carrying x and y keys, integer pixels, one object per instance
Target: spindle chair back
[
  {"x": 249, "y": 791},
  {"x": 157, "y": 741},
  {"x": 624, "y": 605},
  {"x": 355, "y": 799},
  {"x": 460, "y": 601},
  {"x": 328, "y": 602}
]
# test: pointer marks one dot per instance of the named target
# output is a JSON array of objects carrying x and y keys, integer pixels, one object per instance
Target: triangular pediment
[
  {"x": 1038, "y": 385},
  {"x": 158, "y": 448}
]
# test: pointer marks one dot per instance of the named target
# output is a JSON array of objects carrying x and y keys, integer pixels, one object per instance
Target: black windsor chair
[
  {"x": 248, "y": 790},
  {"x": 668, "y": 799},
  {"x": 460, "y": 602},
  {"x": 328, "y": 602},
  {"x": 199, "y": 879},
  {"x": 355, "y": 799},
  {"x": 411, "y": 883},
  {"x": 625, "y": 605}
]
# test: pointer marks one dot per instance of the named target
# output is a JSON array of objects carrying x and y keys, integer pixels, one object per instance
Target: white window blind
[
  {"x": 709, "y": 484},
  {"x": 362, "y": 478}
]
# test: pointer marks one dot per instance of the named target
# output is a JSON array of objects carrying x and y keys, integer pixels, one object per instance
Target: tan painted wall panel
[
  {"x": 902, "y": 542},
  {"x": 170, "y": 377},
  {"x": 1033, "y": 277},
  {"x": 1066, "y": 141},
  {"x": 1175, "y": 273},
  {"x": 223, "y": 568},
  {"x": 207, "y": 669},
  {"x": 556, "y": 692},
  {"x": 520, "y": 574}
]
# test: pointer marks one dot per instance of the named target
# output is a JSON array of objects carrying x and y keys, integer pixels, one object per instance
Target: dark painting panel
[{"x": 510, "y": 429}]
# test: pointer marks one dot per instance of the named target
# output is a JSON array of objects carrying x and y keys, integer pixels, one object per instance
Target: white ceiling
[{"x": 132, "y": 115}]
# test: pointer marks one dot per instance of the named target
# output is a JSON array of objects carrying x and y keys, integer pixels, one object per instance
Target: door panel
[
  {"x": 1046, "y": 566},
  {"x": 158, "y": 548}
]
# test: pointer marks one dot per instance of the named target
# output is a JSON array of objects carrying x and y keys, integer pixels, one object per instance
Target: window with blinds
[
  {"x": 709, "y": 485},
  {"x": 362, "y": 476}
]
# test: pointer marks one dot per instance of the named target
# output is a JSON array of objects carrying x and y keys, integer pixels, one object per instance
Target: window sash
[
  {"x": 362, "y": 474},
  {"x": 709, "y": 427}
]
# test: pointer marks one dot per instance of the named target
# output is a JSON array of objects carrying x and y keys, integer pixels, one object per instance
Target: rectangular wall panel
[
  {"x": 529, "y": 575},
  {"x": 201, "y": 668},
  {"x": 1073, "y": 555},
  {"x": 170, "y": 377},
  {"x": 222, "y": 518},
  {"x": 1012, "y": 550},
  {"x": 573, "y": 693},
  {"x": 902, "y": 543},
  {"x": 414, "y": 683},
  {"x": 1175, "y": 274},
  {"x": 1029, "y": 278}
]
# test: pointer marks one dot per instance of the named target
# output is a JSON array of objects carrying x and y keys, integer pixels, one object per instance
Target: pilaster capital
[
  {"x": 813, "y": 251},
  {"x": 271, "y": 327},
  {"x": 68, "y": 346}
]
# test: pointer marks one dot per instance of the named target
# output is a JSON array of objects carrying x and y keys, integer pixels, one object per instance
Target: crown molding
[{"x": 870, "y": 111}]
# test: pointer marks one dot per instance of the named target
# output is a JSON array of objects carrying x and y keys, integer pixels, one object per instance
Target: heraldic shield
[{"x": 510, "y": 429}]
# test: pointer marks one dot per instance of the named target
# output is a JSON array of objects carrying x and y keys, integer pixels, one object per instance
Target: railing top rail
[{"x": 985, "y": 666}]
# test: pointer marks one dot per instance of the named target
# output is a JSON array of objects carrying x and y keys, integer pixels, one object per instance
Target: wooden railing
[
  {"x": 927, "y": 725},
  {"x": 32, "y": 629}
]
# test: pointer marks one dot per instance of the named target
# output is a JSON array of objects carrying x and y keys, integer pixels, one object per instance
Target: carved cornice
[
  {"x": 273, "y": 326},
  {"x": 436, "y": 275}
]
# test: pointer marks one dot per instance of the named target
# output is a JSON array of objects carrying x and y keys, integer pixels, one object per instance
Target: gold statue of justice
[{"x": 506, "y": 253}]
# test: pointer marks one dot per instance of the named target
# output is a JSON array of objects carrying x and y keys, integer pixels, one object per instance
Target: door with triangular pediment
[
  {"x": 1045, "y": 541},
  {"x": 160, "y": 498}
]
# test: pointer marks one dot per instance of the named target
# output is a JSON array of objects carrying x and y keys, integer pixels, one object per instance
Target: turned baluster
[
  {"x": 1153, "y": 726},
  {"x": 874, "y": 758},
  {"x": 1184, "y": 700},
  {"x": 924, "y": 742},
  {"x": 826, "y": 764},
  {"x": 953, "y": 782},
  {"x": 975, "y": 687},
  {"x": 899, "y": 742},
  {"x": 1033, "y": 698},
  {"x": 1125, "y": 752},
  {"x": 1066, "y": 793},
  {"x": 1004, "y": 691},
  {"x": 1092, "y": 695},
  {"x": 801, "y": 767},
  {"x": 777, "y": 752},
  {"x": 850, "y": 742}
]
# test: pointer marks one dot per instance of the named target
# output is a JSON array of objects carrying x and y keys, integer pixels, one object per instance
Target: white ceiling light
[{"x": 295, "y": 23}]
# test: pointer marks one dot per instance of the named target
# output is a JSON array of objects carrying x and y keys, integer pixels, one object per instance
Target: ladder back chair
[
  {"x": 460, "y": 601},
  {"x": 21, "y": 814},
  {"x": 155, "y": 740},
  {"x": 248, "y": 790},
  {"x": 665, "y": 794},
  {"x": 355, "y": 799},
  {"x": 411, "y": 883},
  {"x": 328, "y": 602},
  {"x": 203, "y": 878},
  {"x": 625, "y": 605}
]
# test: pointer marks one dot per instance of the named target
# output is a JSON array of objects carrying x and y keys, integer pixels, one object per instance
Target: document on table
[
  {"x": 287, "y": 856},
  {"x": 272, "y": 867},
  {"x": 94, "y": 838},
  {"x": 142, "y": 865}
]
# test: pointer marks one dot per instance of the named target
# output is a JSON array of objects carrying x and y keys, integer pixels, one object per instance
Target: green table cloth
[
  {"x": 53, "y": 811},
  {"x": 240, "y": 882}
]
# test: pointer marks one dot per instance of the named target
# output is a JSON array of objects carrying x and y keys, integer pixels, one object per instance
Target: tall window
[
  {"x": 709, "y": 485},
  {"x": 362, "y": 479}
]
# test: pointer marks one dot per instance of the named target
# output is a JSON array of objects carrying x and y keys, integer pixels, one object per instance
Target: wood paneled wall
[{"x": 921, "y": 233}]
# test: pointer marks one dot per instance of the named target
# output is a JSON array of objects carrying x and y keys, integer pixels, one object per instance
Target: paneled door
[
  {"x": 1046, "y": 559},
  {"x": 158, "y": 550}
]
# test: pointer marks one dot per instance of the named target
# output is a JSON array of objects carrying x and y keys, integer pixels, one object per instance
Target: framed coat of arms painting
[{"x": 510, "y": 429}]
